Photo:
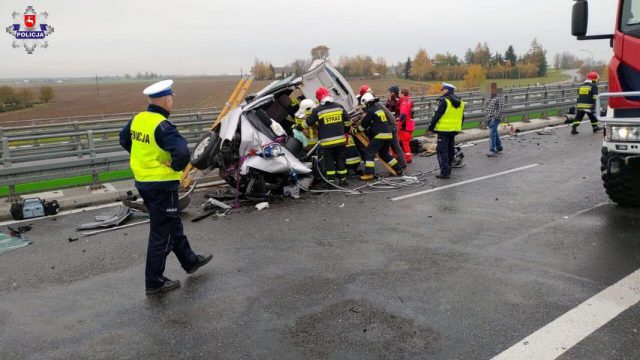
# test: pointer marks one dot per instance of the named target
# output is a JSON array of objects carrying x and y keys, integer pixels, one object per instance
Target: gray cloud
[{"x": 212, "y": 37}]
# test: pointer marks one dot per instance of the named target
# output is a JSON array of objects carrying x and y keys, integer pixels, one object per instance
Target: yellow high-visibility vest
[
  {"x": 451, "y": 120},
  {"x": 148, "y": 160}
]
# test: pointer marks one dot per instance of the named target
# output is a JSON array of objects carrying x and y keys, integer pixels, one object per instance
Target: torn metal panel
[{"x": 113, "y": 218}]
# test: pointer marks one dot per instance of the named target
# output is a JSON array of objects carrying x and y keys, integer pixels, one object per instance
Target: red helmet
[
  {"x": 593, "y": 76},
  {"x": 364, "y": 89},
  {"x": 322, "y": 93}
]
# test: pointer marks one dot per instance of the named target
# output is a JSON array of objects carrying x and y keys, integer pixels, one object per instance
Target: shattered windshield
[{"x": 630, "y": 20}]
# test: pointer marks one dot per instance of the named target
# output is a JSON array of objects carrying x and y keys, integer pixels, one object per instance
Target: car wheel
[{"x": 207, "y": 147}]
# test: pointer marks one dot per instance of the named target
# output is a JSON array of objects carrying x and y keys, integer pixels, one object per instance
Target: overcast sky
[{"x": 110, "y": 37}]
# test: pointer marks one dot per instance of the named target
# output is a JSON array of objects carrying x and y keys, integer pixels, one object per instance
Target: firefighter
[
  {"x": 587, "y": 95},
  {"x": 311, "y": 134},
  {"x": 376, "y": 126},
  {"x": 353, "y": 156},
  {"x": 406, "y": 124},
  {"x": 158, "y": 155},
  {"x": 333, "y": 125},
  {"x": 395, "y": 142},
  {"x": 447, "y": 123}
]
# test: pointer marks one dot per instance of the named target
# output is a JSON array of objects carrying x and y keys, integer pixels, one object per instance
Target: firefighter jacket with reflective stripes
[
  {"x": 376, "y": 124},
  {"x": 312, "y": 132},
  {"x": 451, "y": 120},
  {"x": 353, "y": 155},
  {"x": 149, "y": 162},
  {"x": 333, "y": 124},
  {"x": 587, "y": 94}
]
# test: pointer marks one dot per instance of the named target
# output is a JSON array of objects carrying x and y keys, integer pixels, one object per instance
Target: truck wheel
[
  {"x": 207, "y": 147},
  {"x": 622, "y": 186}
]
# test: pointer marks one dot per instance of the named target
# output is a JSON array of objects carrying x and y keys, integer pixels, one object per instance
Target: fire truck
[{"x": 620, "y": 161}]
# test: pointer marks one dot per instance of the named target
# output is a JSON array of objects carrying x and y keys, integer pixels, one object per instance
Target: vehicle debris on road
[{"x": 112, "y": 218}]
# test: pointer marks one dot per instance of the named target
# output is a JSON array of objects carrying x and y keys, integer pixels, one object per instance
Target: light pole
[{"x": 590, "y": 53}]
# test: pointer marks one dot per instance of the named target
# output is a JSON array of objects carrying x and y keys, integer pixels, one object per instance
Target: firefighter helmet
[
  {"x": 593, "y": 76},
  {"x": 366, "y": 99},
  {"x": 306, "y": 106},
  {"x": 322, "y": 92},
  {"x": 364, "y": 89}
]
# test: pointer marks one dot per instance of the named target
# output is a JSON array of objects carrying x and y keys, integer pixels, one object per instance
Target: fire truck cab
[{"x": 620, "y": 161}]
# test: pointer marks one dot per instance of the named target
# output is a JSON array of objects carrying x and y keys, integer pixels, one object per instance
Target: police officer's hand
[{"x": 167, "y": 163}]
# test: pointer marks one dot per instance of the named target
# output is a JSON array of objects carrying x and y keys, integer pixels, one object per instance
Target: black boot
[
  {"x": 574, "y": 130},
  {"x": 596, "y": 129}
]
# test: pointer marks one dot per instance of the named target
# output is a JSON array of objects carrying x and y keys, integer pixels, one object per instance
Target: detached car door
[{"x": 321, "y": 73}]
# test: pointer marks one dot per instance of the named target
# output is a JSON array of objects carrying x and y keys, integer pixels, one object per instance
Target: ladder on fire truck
[{"x": 237, "y": 96}]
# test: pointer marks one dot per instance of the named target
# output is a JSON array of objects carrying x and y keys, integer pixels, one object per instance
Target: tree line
[{"x": 15, "y": 99}]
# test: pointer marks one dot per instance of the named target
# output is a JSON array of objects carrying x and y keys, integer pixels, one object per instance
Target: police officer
[
  {"x": 587, "y": 94},
  {"x": 158, "y": 155},
  {"x": 376, "y": 125},
  {"x": 447, "y": 123},
  {"x": 333, "y": 125}
]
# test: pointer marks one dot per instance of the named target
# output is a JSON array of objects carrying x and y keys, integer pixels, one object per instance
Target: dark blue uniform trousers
[
  {"x": 165, "y": 235},
  {"x": 446, "y": 150}
]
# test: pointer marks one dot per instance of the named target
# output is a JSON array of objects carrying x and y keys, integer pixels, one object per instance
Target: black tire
[
  {"x": 622, "y": 186},
  {"x": 16, "y": 210},
  {"x": 205, "y": 150}
]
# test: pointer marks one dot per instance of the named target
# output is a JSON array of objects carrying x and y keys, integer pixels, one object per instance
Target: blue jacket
[{"x": 170, "y": 140}]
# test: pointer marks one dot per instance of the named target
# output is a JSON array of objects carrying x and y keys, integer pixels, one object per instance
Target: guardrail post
[
  {"x": 199, "y": 121},
  {"x": 483, "y": 122},
  {"x": 76, "y": 129},
  {"x": 6, "y": 162},
  {"x": 95, "y": 180}
]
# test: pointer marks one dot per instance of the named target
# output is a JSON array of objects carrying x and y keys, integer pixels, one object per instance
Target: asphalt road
[{"x": 459, "y": 273}]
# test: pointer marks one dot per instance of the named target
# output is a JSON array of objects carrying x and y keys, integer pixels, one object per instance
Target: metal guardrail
[
  {"x": 92, "y": 147},
  {"x": 610, "y": 120}
]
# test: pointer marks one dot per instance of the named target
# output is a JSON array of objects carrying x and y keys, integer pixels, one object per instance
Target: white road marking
[
  {"x": 62, "y": 213},
  {"x": 403, "y": 197},
  {"x": 560, "y": 335}
]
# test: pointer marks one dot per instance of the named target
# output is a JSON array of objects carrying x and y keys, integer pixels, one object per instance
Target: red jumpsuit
[{"x": 406, "y": 126}]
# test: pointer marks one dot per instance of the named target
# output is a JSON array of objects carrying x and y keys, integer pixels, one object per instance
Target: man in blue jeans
[{"x": 495, "y": 115}]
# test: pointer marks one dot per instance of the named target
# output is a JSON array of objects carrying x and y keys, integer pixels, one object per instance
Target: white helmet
[
  {"x": 305, "y": 106},
  {"x": 367, "y": 98}
]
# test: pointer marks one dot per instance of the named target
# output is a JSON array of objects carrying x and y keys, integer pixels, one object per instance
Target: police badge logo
[{"x": 30, "y": 30}]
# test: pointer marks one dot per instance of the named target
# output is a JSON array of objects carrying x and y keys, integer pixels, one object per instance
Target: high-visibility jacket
[
  {"x": 451, "y": 120},
  {"x": 149, "y": 162},
  {"x": 587, "y": 94},
  {"x": 312, "y": 132},
  {"x": 376, "y": 124},
  {"x": 333, "y": 124}
]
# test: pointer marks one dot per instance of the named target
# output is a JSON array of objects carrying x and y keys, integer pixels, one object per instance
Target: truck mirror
[{"x": 580, "y": 18}]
